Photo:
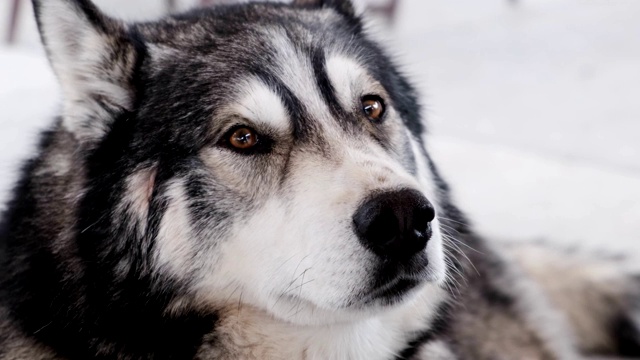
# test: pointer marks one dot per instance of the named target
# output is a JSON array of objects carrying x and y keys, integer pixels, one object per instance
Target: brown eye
[
  {"x": 373, "y": 107},
  {"x": 243, "y": 138}
]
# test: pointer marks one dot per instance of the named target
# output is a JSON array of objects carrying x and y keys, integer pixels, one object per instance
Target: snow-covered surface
[{"x": 534, "y": 109}]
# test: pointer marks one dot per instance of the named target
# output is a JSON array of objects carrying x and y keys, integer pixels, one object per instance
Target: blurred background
[{"x": 533, "y": 106}]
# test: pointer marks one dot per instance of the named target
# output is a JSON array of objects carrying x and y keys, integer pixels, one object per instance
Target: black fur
[
  {"x": 326, "y": 88},
  {"x": 626, "y": 334}
]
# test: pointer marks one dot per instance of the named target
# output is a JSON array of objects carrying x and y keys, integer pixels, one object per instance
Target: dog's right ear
[{"x": 94, "y": 61}]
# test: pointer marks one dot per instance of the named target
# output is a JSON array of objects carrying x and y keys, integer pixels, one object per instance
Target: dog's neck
[{"x": 245, "y": 332}]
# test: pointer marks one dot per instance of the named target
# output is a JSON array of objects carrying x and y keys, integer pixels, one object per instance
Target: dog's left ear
[
  {"x": 94, "y": 61},
  {"x": 345, "y": 7}
]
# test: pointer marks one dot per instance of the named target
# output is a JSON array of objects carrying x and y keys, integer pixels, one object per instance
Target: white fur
[
  {"x": 139, "y": 188},
  {"x": 259, "y": 103},
  {"x": 174, "y": 251},
  {"x": 436, "y": 350},
  {"x": 350, "y": 80},
  {"x": 248, "y": 333}
]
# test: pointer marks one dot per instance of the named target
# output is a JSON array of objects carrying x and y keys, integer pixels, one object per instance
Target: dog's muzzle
[{"x": 395, "y": 225}]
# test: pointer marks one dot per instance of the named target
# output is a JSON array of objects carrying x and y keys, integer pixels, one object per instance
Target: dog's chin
[
  {"x": 394, "y": 293},
  {"x": 389, "y": 296},
  {"x": 300, "y": 311},
  {"x": 305, "y": 313},
  {"x": 396, "y": 282}
]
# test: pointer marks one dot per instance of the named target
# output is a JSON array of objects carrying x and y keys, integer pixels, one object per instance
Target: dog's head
[{"x": 267, "y": 154}]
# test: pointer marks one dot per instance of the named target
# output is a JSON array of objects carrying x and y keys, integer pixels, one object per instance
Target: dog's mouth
[
  {"x": 391, "y": 292},
  {"x": 395, "y": 281}
]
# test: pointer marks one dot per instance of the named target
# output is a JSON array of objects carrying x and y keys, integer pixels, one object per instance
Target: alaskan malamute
[{"x": 251, "y": 182}]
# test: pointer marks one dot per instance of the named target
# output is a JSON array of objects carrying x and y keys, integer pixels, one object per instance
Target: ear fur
[{"x": 93, "y": 60}]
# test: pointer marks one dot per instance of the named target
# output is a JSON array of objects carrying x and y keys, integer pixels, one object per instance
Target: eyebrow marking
[
  {"x": 258, "y": 102},
  {"x": 349, "y": 78},
  {"x": 298, "y": 115},
  {"x": 328, "y": 92}
]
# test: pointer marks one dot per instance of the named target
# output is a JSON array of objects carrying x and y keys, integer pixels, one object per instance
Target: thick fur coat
[{"x": 252, "y": 182}]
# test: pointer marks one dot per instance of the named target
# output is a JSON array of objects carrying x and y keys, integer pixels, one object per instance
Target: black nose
[{"x": 395, "y": 224}]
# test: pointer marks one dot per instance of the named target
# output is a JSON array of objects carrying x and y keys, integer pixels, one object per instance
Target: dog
[{"x": 252, "y": 182}]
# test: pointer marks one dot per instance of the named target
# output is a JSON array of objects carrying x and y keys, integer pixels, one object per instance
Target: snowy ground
[{"x": 534, "y": 109}]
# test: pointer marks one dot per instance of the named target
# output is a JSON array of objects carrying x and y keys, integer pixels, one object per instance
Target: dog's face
[{"x": 273, "y": 153}]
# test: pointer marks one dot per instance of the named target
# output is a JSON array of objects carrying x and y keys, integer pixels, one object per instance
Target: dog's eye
[
  {"x": 373, "y": 107},
  {"x": 243, "y": 138}
]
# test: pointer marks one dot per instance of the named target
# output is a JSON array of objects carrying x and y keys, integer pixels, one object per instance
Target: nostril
[{"x": 423, "y": 215}]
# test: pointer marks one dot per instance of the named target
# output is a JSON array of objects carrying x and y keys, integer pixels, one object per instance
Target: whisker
[
  {"x": 452, "y": 220},
  {"x": 454, "y": 246}
]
